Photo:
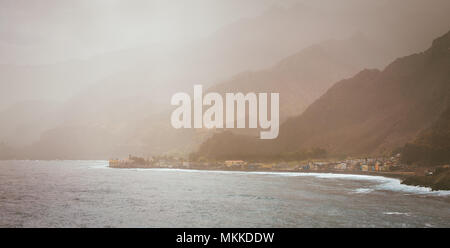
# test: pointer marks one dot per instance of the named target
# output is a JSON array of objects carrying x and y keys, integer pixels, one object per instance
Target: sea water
[{"x": 90, "y": 194}]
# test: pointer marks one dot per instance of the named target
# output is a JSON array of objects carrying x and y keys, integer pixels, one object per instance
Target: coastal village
[{"x": 348, "y": 165}]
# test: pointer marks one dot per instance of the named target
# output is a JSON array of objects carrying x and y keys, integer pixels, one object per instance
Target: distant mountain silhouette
[
  {"x": 372, "y": 112},
  {"x": 304, "y": 76},
  {"x": 94, "y": 94},
  {"x": 136, "y": 125}
]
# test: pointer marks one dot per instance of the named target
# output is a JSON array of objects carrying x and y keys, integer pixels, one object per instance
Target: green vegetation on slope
[{"x": 432, "y": 146}]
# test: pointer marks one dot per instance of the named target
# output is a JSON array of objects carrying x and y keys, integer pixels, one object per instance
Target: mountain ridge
[{"x": 373, "y": 112}]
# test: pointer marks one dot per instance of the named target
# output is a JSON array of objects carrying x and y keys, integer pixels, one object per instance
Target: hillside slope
[
  {"x": 373, "y": 112},
  {"x": 432, "y": 146},
  {"x": 304, "y": 76}
]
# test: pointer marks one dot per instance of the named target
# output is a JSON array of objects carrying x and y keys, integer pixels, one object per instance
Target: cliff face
[
  {"x": 374, "y": 111},
  {"x": 432, "y": 146}
]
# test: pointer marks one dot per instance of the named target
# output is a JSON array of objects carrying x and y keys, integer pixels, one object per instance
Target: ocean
[{"x": 90, "y": 194}]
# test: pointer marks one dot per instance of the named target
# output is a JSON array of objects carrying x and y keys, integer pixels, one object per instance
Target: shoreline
[
  {"x": 406, "y": 177},
  {"x": 438, "y": 181},
  {"x": 401, "y": 175}
]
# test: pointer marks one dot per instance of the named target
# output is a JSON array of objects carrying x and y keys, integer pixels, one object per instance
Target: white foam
[
  {"x": 396, "y": 213},
  {"x": 363, "y": 191},
  {"x": 396, "y": 185},
  {"x": 97, "y": 164},
  {"x": 384, "y": 183}
]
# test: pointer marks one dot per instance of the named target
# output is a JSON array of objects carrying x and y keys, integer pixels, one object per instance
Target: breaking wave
[
  {"x": 363, "y": 191},
  {"x": 396, "y": 213},
  {"x": 383, "y": 183}
]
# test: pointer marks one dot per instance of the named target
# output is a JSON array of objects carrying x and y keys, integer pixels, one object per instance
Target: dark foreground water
[{"x": 88, "y": 194}]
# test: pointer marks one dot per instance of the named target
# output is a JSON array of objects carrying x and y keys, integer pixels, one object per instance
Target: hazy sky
[
  {"x": 43, "y": 31},
  {"x": 46, "y": 31},
  {"x": 228, "y": 37}
]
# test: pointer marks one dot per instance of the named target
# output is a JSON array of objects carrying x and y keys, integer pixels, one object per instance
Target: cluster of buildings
[
  {"x": 148, "y": 163},
  {"x": 366, "y": 164},
  {"x": 359, "y": 164}
]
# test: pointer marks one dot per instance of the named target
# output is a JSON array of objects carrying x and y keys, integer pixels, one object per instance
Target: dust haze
[{"x": 93, "y": 79}]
